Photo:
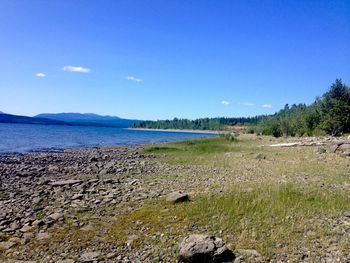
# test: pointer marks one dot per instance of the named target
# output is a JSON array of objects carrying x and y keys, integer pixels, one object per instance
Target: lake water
[{"x": 21, "y": 138}]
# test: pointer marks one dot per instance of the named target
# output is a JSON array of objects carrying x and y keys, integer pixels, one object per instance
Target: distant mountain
[
  {"x": 9, "y": 118},
  {"x": 89, "y": 119},
  {"x": 70, "y": 119}
]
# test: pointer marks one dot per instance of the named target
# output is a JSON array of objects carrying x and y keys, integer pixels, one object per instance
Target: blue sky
[{"x": 164, "y": 59}]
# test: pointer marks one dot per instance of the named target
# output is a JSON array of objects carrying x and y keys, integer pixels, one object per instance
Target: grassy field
[{"x": 287, "y": 200}]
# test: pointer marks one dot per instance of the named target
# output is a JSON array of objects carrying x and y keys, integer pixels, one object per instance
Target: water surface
[{"x": 21, "y": 138}]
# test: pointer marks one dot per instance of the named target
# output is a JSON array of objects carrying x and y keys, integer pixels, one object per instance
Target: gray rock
[
  {"x": 77, "y": 196},
  {"x": 333, "y": 148},
  {"x": 345, "y": 154},
  {"x": 204, "y": 248},
  {"x": 89, "y": 256},
  {"x": 43, "y": 235},
  {"x": 55, "y": 217},
  {"x": 177, "y": 197},
  {"x": 7, "y": 245},
  {"x": 66, "y": 261},
  {"x": 344, "y": 147},
  {"x": 26, "y": 229},
  {"x": 38, "y": 223},
  {"x": 65, "y": 182},
  {"x": 14, "y": 226},
  {"x": 260, "y": 156}
]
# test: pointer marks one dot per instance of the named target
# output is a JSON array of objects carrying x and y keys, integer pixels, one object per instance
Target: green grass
[
  {"x": 266, "y": 217},
  {"x": 195, "y": 151},
  {"x": 160, "y": 149}
]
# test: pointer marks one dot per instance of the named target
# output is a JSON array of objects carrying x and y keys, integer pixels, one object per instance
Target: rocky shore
[
  {"x": 41, "y": 191},
  {"x": 82, "y": 190}
]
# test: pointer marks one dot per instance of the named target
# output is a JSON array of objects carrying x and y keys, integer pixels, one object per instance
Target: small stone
[
  {"x": 131, "y": 239},
  {"x": 177, "y": 197},
  {"x": 37, "y": 223},
  {"x": 26, "y": 229},
  {"x": 111, "y": 255},
  {"x": 14, "y": 226},
  {"x": 43, "y": 235},
  {"x": 7, "y": 245},
  {"x": 65, "y": 182},
  {"x": 54, "y": 217},
  {"x": 77, "y": 196},
  {"x": 66, "y": 261},
  {"x": 260, "y": 156},
  {"x": 88, "y": 227},
  {"x": 89, "y": 256}
]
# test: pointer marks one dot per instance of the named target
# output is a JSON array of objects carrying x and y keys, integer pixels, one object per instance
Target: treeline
[
  {"x": 329, "y": 114},
  {"x": 198, "y": 124}
]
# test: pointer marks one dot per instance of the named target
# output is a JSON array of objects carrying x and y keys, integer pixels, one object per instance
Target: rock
[
  {"x": 77, "y": 196},
  {"x": 7, "y": 245},
  {"x": 65, "y": 182},
  {"x": 26, "y": 229},
  {"x": 111, "y": 255},
  {"x": 177, "y": 197},
  {"x": 93, "y": 159},
  {"x": 260, "y": 156},
  {"x": 320, "y": 150},
  {"x": 38, "y": 223},
  {"x": 14, "y": 226},
  {"x": 333, "y": 148},
  {"x": 66, "y": 261},
  {"x": 131, "y": 239},
  {"x": 103, "y": 172},
  {"x": 345, "y": 154},
  {"x": 43, "y": 235},
  {"x": 89, "y": 256},
  {"x": 54, "y": 217},
  {"x": 344, "y": 147},
  {"x": 204, "y": 248}
]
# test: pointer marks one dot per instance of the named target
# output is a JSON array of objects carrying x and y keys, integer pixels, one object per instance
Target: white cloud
[
  {"x": 267, "y": 106},
  {"x": 40, "y": 75},
  {"x": 247, "y": 104},
  {"x": 225, "y": 102},
  {"x": 76, "y": 69},
  {"x": 132, "y": 78}
]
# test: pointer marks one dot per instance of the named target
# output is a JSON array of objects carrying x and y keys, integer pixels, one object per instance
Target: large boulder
[{"x": 204, "y": 249}]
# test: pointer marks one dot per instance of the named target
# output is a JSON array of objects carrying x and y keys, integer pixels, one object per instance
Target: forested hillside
[
  {"x": 198, "y": 124},
  {"x": 329, "y": 114}
]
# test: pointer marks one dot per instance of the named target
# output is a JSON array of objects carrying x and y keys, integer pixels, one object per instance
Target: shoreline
[{"x": 175, "y": 130}]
